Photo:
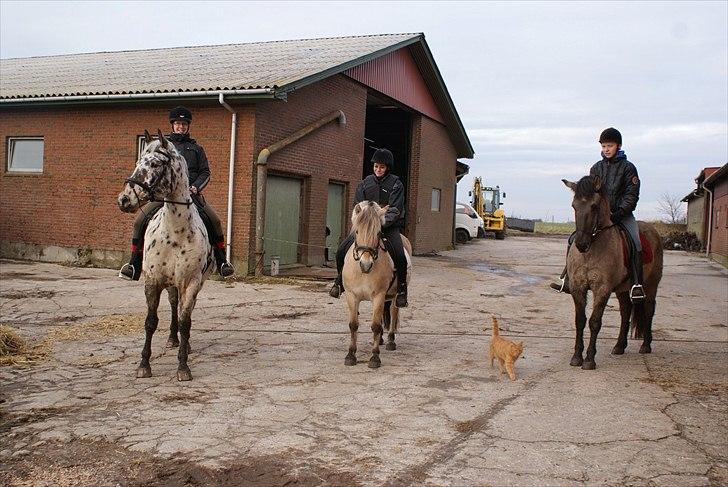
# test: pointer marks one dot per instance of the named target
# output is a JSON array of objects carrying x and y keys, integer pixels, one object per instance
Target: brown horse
[
  {"x": 368, "y": 275},
  {"x": 598, "y": 265}
]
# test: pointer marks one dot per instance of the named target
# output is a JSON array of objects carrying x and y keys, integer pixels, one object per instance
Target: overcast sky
[{"x": 534, "y": 82}]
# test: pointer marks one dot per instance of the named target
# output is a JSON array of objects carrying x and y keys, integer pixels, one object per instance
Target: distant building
[
  {"x": 698, "y": 206},
  {"x": 72, "y": 128},
  {"x": 716, "y": 185}
]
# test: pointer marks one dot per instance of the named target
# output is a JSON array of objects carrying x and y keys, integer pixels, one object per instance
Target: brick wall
[
  {"x": 432, "y": 166},
  {"x": 719, "y": 231},
  {"x": 331, "y": 153},
  {"x": 88, "y": 152}
]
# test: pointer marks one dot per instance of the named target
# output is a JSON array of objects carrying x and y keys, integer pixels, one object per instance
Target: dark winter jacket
[
  {"x": 388, "y": 190},
  {"x": 621, "y": 183},
  {"x": 197, "y": 165}
]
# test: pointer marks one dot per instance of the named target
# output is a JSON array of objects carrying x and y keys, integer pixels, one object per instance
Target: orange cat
[{"x": 506, "y": 351}]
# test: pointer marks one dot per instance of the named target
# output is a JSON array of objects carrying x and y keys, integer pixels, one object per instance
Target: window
[
  {"x": 141, "y": 145},
  {"x": 435, "y": 206},
  {"x": 25, "y": 154}
]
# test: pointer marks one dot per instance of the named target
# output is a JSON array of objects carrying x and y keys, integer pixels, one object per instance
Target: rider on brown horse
[
  {"x": 622, "y": 186},
  {"x": 199, "y": 175},
  {"x": 387, "y": 190}
]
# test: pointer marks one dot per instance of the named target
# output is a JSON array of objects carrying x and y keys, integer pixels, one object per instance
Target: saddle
[{"x": 628, "y": 247}]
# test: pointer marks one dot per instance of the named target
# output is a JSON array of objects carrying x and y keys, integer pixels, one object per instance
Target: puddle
[{"x": 526, "y": 280}]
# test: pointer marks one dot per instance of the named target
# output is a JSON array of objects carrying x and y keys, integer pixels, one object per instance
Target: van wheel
[{"x": 461, "y": 236}]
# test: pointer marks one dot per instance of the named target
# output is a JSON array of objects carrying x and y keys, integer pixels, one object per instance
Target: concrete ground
[{"x": 272, "y": 402}]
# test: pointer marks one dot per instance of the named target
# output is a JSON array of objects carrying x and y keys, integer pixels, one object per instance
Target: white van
[{"x": 467, "y": 223}]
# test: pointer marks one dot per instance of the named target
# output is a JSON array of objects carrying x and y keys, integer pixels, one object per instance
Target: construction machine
[{"x": 487, "y": 203}]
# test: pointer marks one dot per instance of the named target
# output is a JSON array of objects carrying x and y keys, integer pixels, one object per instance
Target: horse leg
[
  {"x": 386, "y": 322},
  {"x": 353, "y": 305},
  {"x": 595, "y": 324},
  {"x": 188, "y": 298},
  {"x": 647, "y": 314},
  {"x": 393, "y": 314},
  {"x": 377, "y": 314},
  {"x": 173, "y": 296},
  {"x": 579, "y": 298},
  {"x": 150, "y": 326},
  {"x": 625, "y": 312}
]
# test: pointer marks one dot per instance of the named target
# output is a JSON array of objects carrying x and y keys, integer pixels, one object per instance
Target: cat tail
[{"x": 495, "y": 327}]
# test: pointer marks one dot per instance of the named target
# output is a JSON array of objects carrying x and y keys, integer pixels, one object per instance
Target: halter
[
  {"x": 358, "y": 250},
  {"x": 149, "y": 188}
]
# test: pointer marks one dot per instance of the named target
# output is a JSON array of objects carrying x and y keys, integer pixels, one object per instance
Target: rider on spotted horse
[
  {"x": 199, "y": 176},
  {"x": 622, "y": 187},
  {"x": 387, "y": 190}
]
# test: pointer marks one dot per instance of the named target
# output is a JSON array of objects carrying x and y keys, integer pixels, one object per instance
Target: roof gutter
[{"x": 267, "y": 92}]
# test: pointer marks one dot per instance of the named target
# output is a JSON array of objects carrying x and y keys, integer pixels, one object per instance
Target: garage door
[{"x": 282, "y": 219}]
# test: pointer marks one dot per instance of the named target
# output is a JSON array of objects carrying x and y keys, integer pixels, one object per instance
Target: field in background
[{"x": 567, "y": 228}]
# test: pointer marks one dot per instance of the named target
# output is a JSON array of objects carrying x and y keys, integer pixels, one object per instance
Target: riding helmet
[
  {"x": 383, "y": 156},
  {"x": 180, "y": 114},
  {"x": 610, "y": 135}
]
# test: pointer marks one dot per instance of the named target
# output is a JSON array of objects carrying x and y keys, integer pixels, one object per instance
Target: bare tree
[{"x": 672, "y": 208}]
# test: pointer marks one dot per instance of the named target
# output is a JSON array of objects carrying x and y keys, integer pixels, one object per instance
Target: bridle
[
  {"x": 358, "y": 250},
  {"x": 149, "y": 188}
]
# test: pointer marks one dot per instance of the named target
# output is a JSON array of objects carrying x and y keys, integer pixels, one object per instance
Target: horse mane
[
  {"x": 586, "y": 187},
  {"x": 367, "y": 223}
]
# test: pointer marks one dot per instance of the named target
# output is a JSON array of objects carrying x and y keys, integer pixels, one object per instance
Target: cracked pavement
[{"x": 271, "y": 394}]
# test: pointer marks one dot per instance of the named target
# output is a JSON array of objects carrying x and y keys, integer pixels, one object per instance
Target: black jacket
[
  {"x": 387, "y": 191},
  {"x": 621, "y": 183},
  {"x": 197, "y": 165}
]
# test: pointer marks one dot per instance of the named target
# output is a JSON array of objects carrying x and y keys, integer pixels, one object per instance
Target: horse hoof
[
  {"x": 144, "y": 372},
  {"x": 576, "y": 361},
  {"x": 374, "y": 362},
  {"x": 589, "y": 365},
  {"x": 390, "y": 346},
  {"x": 184, "y": 374},
  {"x": 617, "y": 350},
  {"x": 172, "y": 343},
  {"x": 381, "y": 341},
  {"x": 350, "y": 359},
  {"x": 645, "y": 349}
]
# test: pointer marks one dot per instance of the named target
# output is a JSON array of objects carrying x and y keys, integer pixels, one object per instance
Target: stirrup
[
  {"x": 335, "y": 290},
  {"x": 561, "y": 288},
  {"x": 127, "y": 272},
  {"x": 401, "y": 300},
  {"x": 226, "y": 269},
  {"x": 637, "y": 293}
]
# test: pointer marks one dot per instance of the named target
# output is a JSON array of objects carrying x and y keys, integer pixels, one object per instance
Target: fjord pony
[
  {"x": 368, "y": 275},
  {"x": 177, "y": 253},
  {"x": 597, "y": 265}
]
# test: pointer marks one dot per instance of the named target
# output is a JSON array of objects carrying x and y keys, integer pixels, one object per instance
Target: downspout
[
  {"x": 262, "y": 178},
  {"x": 231, "y": 172},
  {"x": 710, "y": 221}
]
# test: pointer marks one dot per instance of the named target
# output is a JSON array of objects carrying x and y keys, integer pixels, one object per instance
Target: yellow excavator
[{"x": 487, "y": 202}]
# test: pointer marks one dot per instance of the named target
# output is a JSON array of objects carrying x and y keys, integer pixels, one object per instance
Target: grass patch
[{"x": 555, "y": 228}]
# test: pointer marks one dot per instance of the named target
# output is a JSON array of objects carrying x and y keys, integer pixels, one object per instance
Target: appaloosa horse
[
  {"x": 368, "y": 275},
  {"x": 177, "y": 253},
  {"x": 599, "y": 265}
]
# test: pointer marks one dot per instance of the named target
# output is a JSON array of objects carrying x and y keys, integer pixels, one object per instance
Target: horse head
[
  {"x": 591, "y": 209},
  {"x": 367, "y": 219},
  {"x": 156, "y": 175}
]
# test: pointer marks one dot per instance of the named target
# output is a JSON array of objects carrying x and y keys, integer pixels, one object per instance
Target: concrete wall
[{"x": 696, "y": 217}]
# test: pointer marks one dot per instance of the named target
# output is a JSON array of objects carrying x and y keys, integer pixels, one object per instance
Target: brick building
[
  {"x": 717, "y": 239},
  {"x": 698, "y": 206},
  {"x": 289, "y": 128}
]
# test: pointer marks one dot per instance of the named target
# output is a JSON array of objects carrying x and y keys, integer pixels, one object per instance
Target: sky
[{"x": 533, "y": 82}]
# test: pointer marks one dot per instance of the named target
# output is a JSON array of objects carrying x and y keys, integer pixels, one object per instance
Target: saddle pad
[{"x": 647, "y": 254}]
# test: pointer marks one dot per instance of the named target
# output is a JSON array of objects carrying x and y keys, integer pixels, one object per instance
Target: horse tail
[
  {"x": 638, "y": 320},
  {"x": 495, "y": 327}
]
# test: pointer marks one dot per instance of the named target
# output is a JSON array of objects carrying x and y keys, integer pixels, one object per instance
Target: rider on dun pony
[
  {"x": 199, "y": 176},
  {"x": 622, "y": 186},
  {"x": 386, "y": 189}
]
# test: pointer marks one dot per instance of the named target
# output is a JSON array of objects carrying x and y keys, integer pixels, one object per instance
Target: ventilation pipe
[
  {"x": 231, "y": 172},
  {"x": 262, "y": 178}
]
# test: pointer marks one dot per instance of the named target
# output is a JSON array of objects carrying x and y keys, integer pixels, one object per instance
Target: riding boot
[
  {"x": 401, "y": 299},
  {"x": 224, "y": 267},
  {"x": 133, "y": 269},
  {"x": 637, "y": 292},
  {"x": 563, "y": 286},
  {"x": 337, "y": 288}
]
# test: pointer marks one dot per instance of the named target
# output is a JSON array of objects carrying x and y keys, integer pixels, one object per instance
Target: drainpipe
[
  {"x": 262, "y": 178},
  {"x": 710, "y": 221},
  {"x": 231, "y": 171}
]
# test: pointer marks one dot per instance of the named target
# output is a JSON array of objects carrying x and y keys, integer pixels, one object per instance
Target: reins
[
  {"x": 149, "y": 188},
  {"x": 358, "y": 250}
]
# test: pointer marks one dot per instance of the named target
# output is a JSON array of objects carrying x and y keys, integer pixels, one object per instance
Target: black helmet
[
  {"x": 180, "y": 114},
  {"x": 610, "y": 135},
  {"x": 383, "y": 156}
]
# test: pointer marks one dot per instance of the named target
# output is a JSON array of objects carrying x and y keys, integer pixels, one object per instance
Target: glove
[{"x": 617, "y": 215}]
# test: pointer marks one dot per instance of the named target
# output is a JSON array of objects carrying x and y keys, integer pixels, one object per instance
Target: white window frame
[
  {"x": 11, "y": 147},
  {"x": 141, "y": 145},
  {"x": 438, "y": 192}
]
